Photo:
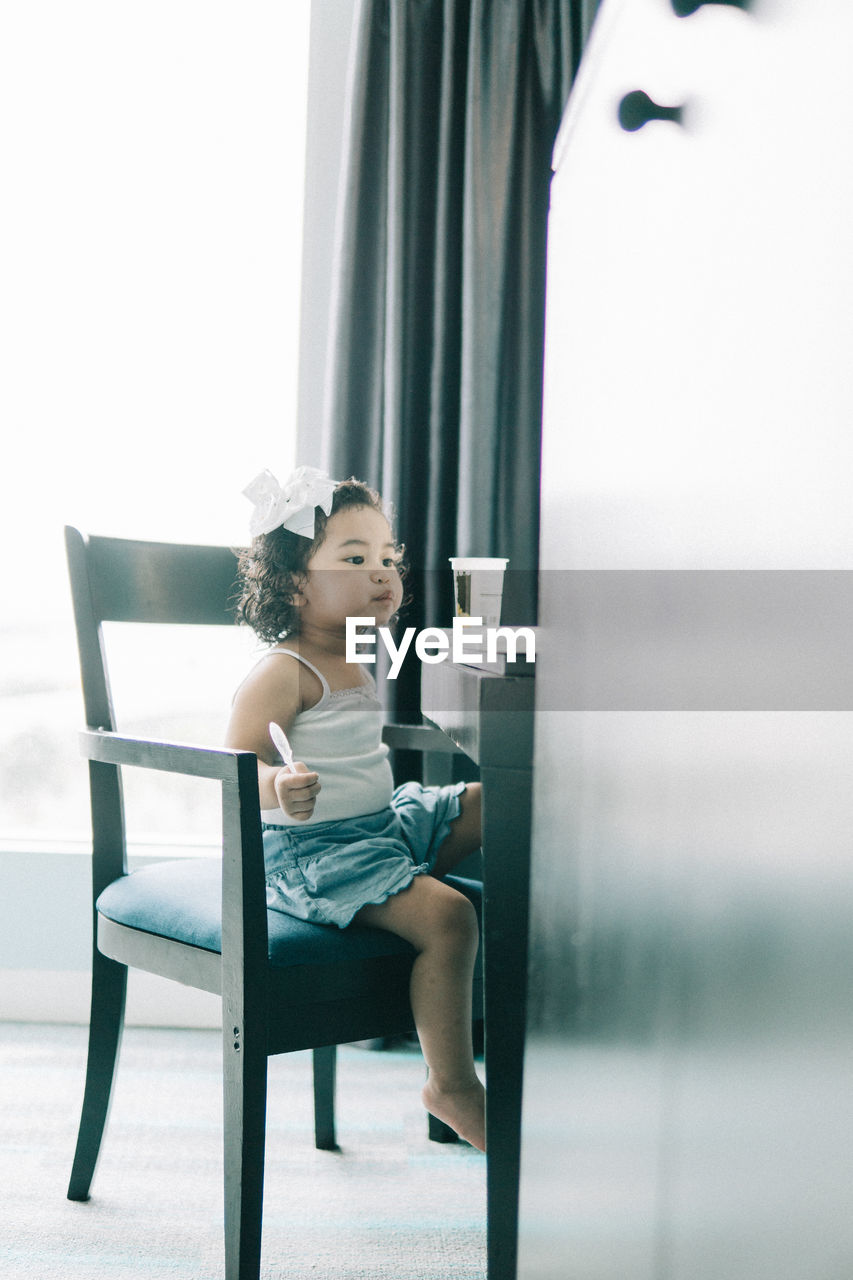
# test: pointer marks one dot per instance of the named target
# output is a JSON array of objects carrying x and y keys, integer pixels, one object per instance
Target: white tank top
[{"x": 341, "y": 738}]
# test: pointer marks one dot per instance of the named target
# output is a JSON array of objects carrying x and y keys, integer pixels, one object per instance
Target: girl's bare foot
[{"x": 463, "y": 1109}]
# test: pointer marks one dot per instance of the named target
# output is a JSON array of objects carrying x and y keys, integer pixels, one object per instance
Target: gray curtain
[{"x": 434, "y": 372}]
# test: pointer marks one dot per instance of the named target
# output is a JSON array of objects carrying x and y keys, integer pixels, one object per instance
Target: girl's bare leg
[
  {"x": 465, "y": 832},
  {"x": 441, "y": 925}
]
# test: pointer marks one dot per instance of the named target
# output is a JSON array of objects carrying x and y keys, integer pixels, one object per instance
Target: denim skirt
[{"x": 326, "y": 871}]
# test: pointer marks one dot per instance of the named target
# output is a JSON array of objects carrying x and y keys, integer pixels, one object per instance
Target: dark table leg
[{"x": 506, "y": 871}]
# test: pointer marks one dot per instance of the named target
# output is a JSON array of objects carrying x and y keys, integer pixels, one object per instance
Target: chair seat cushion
[{"x": 182, "y": 900}]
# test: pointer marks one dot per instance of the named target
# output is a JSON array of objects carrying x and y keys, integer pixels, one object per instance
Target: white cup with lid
[{"x": 478, "y": 587}]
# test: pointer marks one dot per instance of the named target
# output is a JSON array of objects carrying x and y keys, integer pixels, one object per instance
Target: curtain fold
[{"x": 434, "y": 369}]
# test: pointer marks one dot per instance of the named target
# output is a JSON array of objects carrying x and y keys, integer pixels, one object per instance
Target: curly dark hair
[{"x": 271, "y": 569}]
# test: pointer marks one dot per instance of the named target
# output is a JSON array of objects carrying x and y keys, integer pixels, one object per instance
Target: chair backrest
[{"x": 120, "y": 580}]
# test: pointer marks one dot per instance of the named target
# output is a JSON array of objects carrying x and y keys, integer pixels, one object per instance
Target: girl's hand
[{"x": 297, "y": 790}]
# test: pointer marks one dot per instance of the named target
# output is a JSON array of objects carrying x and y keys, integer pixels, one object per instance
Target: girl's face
[{"x": 353, "y": 573}]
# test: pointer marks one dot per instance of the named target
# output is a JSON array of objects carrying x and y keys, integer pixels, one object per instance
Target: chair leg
[
  {"x": 109, "y": 986},
  {"x": 325, "y": 1061},
  {"x": 439, "y": 1131},
  {"x": 245, "y": 1102}
]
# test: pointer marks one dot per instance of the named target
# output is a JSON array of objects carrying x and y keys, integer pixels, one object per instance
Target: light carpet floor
[{"x": 390, "y": 1205}]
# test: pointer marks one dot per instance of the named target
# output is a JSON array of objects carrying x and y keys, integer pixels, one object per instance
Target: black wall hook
[
  {"x": 637, "y": 109},
  {"x": 684, "y": 8}
]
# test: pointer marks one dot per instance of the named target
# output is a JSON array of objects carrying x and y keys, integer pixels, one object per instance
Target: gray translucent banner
[{"x": 647, "y": 640}]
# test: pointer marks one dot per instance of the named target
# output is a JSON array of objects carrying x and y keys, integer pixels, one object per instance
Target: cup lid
[{"x": 478, "y": 562}]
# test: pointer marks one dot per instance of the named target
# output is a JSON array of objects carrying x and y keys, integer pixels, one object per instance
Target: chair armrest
[
  {"x": 171, "y": 757},
  {"x": 216, "y": 762},
  {"x": 419, "y": 737}
]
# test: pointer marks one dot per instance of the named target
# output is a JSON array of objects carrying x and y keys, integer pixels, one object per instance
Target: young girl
[{"x": 340, "y": 844}]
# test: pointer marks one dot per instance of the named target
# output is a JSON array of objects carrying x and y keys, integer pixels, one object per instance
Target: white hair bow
[{"x": 290, "y": 505}]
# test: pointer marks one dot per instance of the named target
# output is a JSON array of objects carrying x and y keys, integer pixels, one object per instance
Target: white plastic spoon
[{"x": 282, "y": 746}]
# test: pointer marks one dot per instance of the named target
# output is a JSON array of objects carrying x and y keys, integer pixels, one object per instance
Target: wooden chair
[{"x": 285, "y": 985}]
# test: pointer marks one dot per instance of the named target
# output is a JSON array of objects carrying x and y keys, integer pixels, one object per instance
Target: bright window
[{"x": 150, "y": 240}]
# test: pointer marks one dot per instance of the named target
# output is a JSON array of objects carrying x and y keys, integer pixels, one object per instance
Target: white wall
[{"x": 45, "y": 948}]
